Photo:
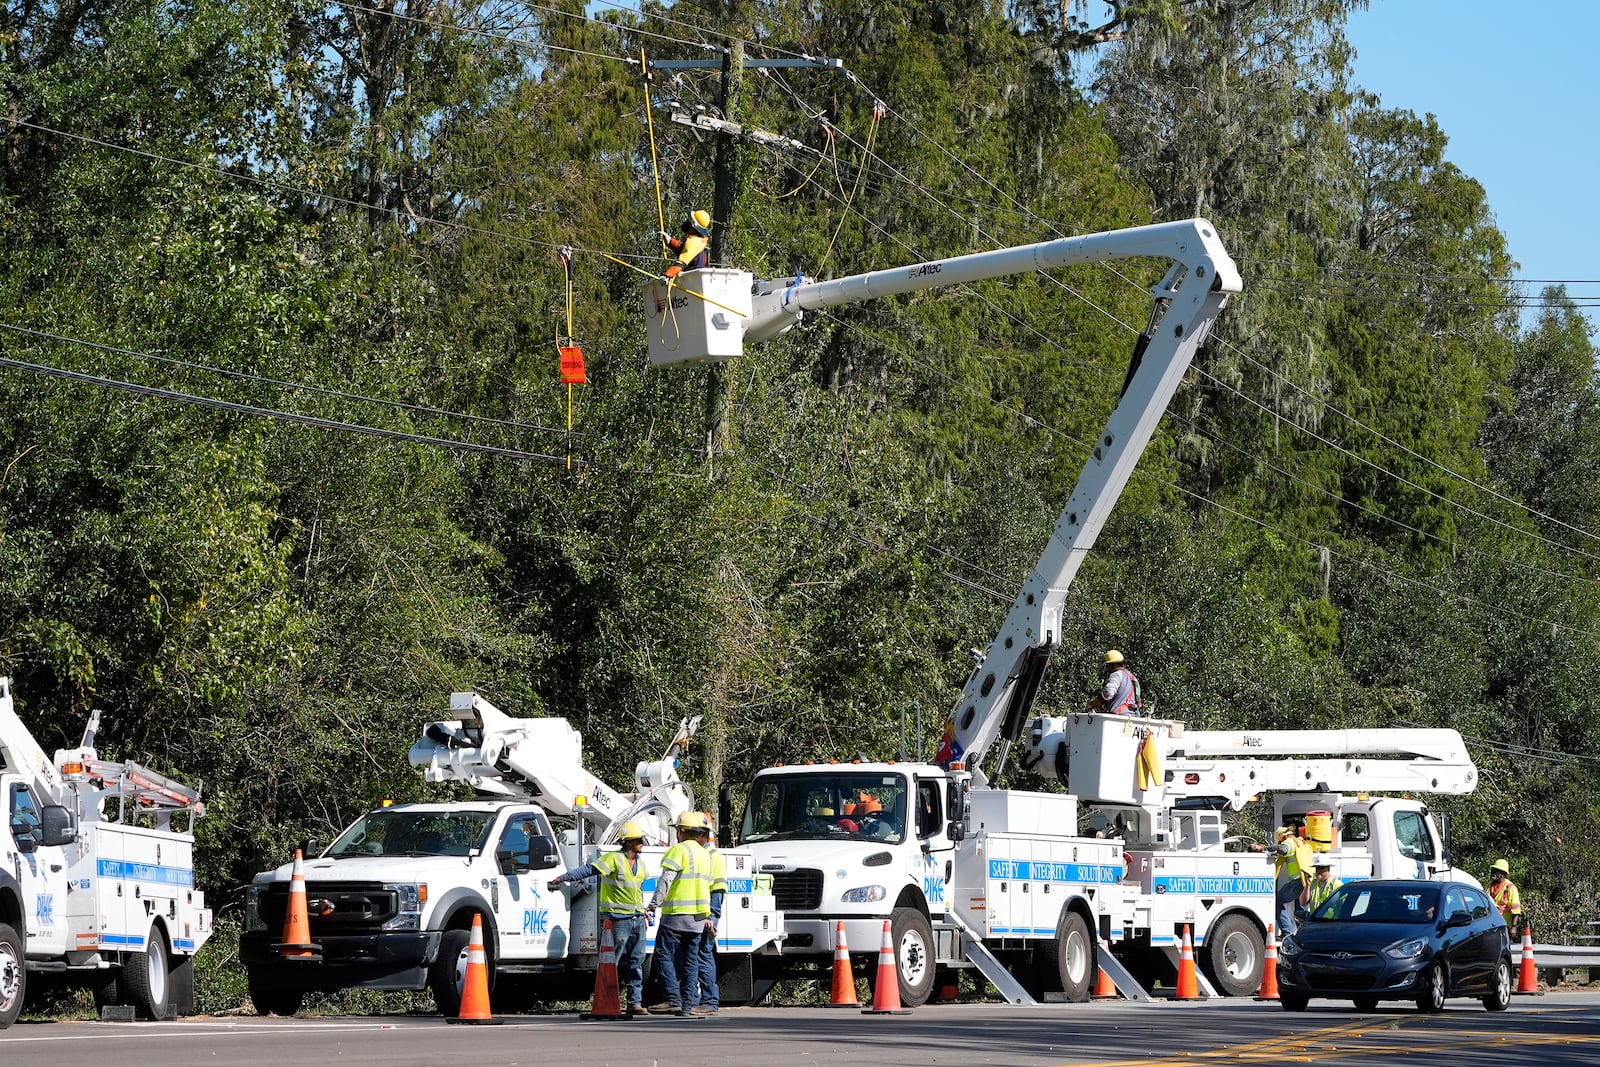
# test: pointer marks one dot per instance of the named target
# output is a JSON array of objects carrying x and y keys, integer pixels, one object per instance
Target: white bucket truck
[{"x": 96, "y": 884}]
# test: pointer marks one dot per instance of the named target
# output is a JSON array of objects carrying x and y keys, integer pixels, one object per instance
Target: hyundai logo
[{"x": 1344, "y": 955}]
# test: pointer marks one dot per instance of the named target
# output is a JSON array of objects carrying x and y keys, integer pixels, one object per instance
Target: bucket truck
[
  {"x": 390, "y": 902},
  {"x": 1008, "y": 881},
  {"x": 97, "y": 884}
]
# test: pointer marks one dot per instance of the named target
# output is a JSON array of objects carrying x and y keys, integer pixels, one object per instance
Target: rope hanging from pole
[{"x": 655, "y": 167}]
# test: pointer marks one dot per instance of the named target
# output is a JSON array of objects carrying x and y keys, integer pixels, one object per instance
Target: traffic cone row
[
  {"x": 844, "y": 979},
  {"x": 297, "y": 943},
  {"x": 607, "y": 1002},
  {"x": 475, "y": 987},
  {"x": 1188, "y": 980},
  {"x": 1269, "y": 968},
  {"x": 886, "y": 990},
  {"x": 1528, "y": 977},
  {"x": 1104, "y": 987}
]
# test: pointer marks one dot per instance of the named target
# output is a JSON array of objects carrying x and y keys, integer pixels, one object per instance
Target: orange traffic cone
[
  {"x": 475, "y": 987},
  {"x": 297, "y": 944},
  {"x": 1188, "y": 981},
  {"x": 607, "y": 995},
  {"x": 1269, "y": 968},
  {"x": 886, "y": 990},
  {"x": 844, "y": 979},
  {"x": 1528, "y": 977},
  {"x": 1104, "y": 987}
]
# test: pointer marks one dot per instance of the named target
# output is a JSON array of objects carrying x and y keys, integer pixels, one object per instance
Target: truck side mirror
[
  {"x": 55, "y": 826},
  {"x": 542, "y": 854},
  {"x": 725, "y": 817},
  {"x": 310, "y": 848},
  {"x": 512, "y": 862},
  {"x": 23, "y": 832},
  {"x": 957, "y": 831}
]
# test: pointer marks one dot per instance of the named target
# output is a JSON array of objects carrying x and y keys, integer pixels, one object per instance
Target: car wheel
[
  {"x": 1233, "y": 956},
  {"x": 1366, "y": 1004},
  {"x": 1431, "y": 989},
  {"x": 1499, "y": 998},
  {"x": 1293, "y": 1001}
]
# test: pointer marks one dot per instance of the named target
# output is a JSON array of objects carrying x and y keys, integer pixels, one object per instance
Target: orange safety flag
[{"x": 572, "y": 372}]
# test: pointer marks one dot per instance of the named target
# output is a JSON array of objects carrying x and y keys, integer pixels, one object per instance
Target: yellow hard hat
[
  {"x": 631, "y": 831},
  {"x": 706, "y": 821},
  {"x": 1113, "y": 656},
  {"x": 689, "y": 820},
  {"x": 701, "y": 219},
  {"x": 1502, "y": 866},
  {"x": 823, "y": 811}
]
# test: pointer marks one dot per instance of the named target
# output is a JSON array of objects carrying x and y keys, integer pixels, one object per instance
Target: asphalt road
[{"x": 1549, "y": 1031}]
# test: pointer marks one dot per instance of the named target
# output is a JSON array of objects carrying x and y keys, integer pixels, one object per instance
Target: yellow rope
[
  {"x": 860, "y": 173},
  {"x": 821, "y": 159},
  {"x": 691, "y": 292},
  {"x": 655, "y": 168}
]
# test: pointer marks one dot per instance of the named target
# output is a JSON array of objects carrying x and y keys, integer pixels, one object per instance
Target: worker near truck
[
  {"x": 1322, "y": 883},
  {"x": 1503, "y": 891},
  {"x": 693, "y": 248},
  {"x": 683, "y": 897},
  {"x": 622, "y": 876},
  {"x": 1293, "y": 854},
  {"x": 710, "y": 996},
  {"x": 1119, "y": 695}
]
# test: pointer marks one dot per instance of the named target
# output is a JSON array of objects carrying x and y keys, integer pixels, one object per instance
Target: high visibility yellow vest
[
  {"x": 690, "y": 892},
  {"x": 1297, "y": 861},
  {"x": 1507, "y": 898},
  {"x": 719, "y": 871},
  {"x": 621, "y": 887},
  {"x": 1321, "y": 891}
]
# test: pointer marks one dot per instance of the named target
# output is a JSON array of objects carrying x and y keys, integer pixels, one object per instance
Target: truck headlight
[
  {"x": 864, "y": 894},
  {"x": 1405, "y": 950},
  {"x": 252, "y": 911},
  {"x": 409, "y": 898}
]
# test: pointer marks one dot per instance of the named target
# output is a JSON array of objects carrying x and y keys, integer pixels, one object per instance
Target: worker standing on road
[
  {"x": 1120, "y": 694},
  {"x": 710, "y": 995},
  {"x": 683, "y": 896},
  {"x": 622, "y": 876},
  {"x": 1503, "y": 891},
  {"x": 694, "y": 247},
  {"x": 1322, "y": 884}
]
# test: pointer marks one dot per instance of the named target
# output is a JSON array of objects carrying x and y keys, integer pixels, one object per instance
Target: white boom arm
[
  {"x": 19, "y": 752},
  {"x": 542, "y": 760},
  {"x": 1189, "y": 296}
]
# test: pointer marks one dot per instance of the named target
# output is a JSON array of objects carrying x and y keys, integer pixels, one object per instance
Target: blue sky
[{"x": 1513, "y": 87}]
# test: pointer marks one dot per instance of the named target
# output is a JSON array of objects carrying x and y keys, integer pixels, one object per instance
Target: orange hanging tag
[{"x": 572, "y": 366}]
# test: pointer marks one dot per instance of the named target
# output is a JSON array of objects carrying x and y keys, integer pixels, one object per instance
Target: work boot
[
  {"x": 704, "y": 1009},
  {"x": 663, "y": 1009}
]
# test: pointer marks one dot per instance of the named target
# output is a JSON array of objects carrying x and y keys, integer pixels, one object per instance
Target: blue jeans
[
  {"x": 1288, "y": 898},
  {"x": 628, "y": 933},
  {"x": 678, "y": 960},
  {"x": 710, "y": 995}
]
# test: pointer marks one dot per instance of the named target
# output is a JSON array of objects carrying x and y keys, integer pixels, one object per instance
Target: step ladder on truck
[{"x": 97, "y": 882}]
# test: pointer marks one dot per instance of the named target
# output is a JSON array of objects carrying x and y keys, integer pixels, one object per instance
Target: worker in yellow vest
[
  {"x": 622, "y": 875},
  {"x": 1322, "y": 884},
  {"x": 693, "y": 248},
  {"x": 683, "y": 897},
  {"x": 710, "y": 995},
  {"x": 1294, "y": 871},
  {"x": 1503, "y": 891}
]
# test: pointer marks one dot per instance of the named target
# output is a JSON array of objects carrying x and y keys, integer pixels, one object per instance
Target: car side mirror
[
  {"x": 1457, "y": 918},
  {"x": 23, "y": 832},
  {"x": 55, "y": 826},
  {"x": 542, "y": 854}
]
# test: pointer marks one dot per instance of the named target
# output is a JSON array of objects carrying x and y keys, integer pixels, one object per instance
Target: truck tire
[
  {"x": 272, "y": 996},
  {"x": 13, "y": 976},
  {"x": 449, "y": 971},
  {"x": 1072, "y": 956},
  {"x": 912, "y": 937},
  {"x": 144, "y": 982},
  {"x": 1233, "y": 956}
]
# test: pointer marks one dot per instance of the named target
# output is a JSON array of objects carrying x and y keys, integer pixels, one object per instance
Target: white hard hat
[{"x": 1322, "y": 860}]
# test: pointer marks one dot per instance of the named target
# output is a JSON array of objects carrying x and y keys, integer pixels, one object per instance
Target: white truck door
[
  {"x": 534, "y": 922},
  {"x": 930, "y": 827},
  {"x": 41, "y": 872}
]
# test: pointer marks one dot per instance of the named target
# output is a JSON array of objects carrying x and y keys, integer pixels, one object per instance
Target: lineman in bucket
[{"x": 693, "y": 248}]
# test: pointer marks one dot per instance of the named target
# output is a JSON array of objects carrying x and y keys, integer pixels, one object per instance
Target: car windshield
[
  {"x": 826, "y": 805},
  {"x": 1361, "y": 902},
  {"x": 402, "y": 832}
]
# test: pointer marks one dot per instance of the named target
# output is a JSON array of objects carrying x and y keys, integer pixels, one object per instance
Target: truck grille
[
  {"x": 333, "y": 907},
  {"x": 797, "y": 890}
]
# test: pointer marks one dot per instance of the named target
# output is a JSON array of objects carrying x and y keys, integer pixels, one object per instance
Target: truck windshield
[
  {"x": 399, "y": 832},
  {"x": 871, "y": 807}
]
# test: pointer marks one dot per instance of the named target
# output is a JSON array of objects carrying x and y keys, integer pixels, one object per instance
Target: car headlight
[
  {"x": 1290, "y": 948},
  {"x": 864, "y": 894},
  {"x": 409, "y": 897},
  {"x": 1405, "y": 950}
]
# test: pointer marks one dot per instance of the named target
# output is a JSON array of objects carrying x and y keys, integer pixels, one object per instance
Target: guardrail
[{"x": 1565, "y": 955}]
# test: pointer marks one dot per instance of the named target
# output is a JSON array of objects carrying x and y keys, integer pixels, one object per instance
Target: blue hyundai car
[{"x": 1398, "y": 940}]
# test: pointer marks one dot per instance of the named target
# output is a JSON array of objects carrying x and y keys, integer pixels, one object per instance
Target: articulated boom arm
[
  {"x": 542, "y": 760},
  {"x": 1195, "y": 288}
]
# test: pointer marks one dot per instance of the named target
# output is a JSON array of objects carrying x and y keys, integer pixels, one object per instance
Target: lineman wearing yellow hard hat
[
  {"x": 622, "y": 875},
  {"x": 1503, "y": 891},
  {"x": 683, "y": 896},
  {"x": 694, "y": 247},
  {"x": 1120, "y": 694}
]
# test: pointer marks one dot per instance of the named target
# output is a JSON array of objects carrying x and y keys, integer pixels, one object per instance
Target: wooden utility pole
[{"x": 722, "y": 205}]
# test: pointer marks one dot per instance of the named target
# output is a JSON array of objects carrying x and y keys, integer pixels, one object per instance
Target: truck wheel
[
  {"x": 1234, "y": 952},
  {"x": 13, "y": 978},
  {"x": 912, "y": 937},
  {"x": 144, "y": 978},
  {"x": 1074, "y": 957},
  {"x": 270, "y": 996},
  {"x": 449, "y": 971}
]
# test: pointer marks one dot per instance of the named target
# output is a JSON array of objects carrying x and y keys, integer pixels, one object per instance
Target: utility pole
[{"x": 725, "y": 190}]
